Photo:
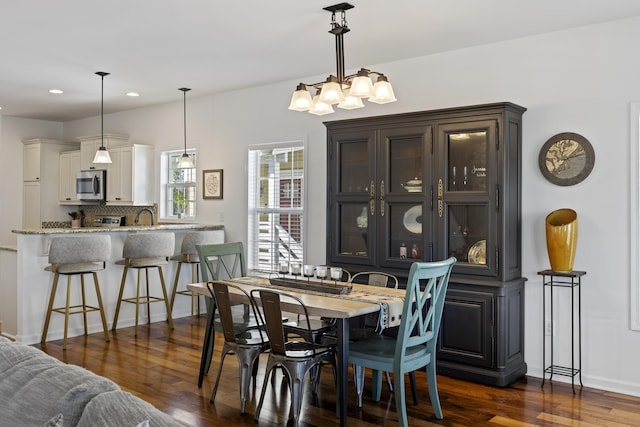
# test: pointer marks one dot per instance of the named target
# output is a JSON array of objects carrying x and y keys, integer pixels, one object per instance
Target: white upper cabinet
[
  {"x": 130, "y": 175},
  {"x": 69, "y": 167}
]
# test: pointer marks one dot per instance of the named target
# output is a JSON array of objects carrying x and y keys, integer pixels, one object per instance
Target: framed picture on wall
[{"x": 212, "y": 184}]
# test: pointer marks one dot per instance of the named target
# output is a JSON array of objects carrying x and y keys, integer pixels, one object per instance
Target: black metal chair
[
  {"x": 295, "y": 357},
  {"x": 247, "y": 344}
]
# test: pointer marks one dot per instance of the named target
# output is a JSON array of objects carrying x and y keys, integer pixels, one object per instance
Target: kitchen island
[{"x": 33, "y": 283}]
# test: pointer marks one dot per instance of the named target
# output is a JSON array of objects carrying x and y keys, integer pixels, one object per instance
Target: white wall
[
  {"x": 13, "y": 130},
  {"x": 579, "y": 80}
]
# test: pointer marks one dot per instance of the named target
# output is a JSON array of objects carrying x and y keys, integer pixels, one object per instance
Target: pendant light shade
[
  {"x": 185, "y": 161},
  {"x": 102, "y": 155}
]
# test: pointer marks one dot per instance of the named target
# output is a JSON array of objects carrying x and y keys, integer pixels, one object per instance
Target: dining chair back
[
  {"x": 295, "y": 357},
  {"x": 246, "y": 344},
  {"x": 415, "y": 345}
]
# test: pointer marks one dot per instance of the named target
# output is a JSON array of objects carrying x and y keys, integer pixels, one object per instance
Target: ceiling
[{"x": 155, "y": 47}]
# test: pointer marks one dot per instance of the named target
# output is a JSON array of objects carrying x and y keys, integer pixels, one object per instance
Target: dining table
[{"x": 359, "y": 301}]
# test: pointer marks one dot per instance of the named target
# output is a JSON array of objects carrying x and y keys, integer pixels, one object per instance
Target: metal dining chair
[
  {"x": 247, "y": 344},
  {"x": 415, "y": 346},
  {"x": 295, "y": 357}
]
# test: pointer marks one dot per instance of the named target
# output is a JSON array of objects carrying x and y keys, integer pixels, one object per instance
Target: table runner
[{"x": 390, "y": 307}]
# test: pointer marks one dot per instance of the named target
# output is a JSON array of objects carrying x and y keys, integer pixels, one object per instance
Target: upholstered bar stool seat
[
  {"x": 77, "y": 256},
  {"x": 189, "y": 255},
  {"x": 145, "y": 251}
]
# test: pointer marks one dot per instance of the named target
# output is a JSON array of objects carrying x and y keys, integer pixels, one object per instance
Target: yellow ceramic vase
[{"x": 562, "y": 237}]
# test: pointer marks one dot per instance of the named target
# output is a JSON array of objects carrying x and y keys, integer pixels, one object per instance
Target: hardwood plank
[{"x": 161, "y": 367}]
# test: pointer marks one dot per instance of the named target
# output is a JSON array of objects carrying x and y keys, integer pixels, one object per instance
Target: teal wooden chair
[
  {"x": 219, "y": 262},
  {"x": 415, "y": 346}
]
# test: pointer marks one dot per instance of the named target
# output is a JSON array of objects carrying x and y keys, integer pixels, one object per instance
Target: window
[
  {"x": 276, "y": 205},
  {"x": 179, "y": 186}
]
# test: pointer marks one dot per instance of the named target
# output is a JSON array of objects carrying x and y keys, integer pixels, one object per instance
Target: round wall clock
[{"x": 566, "y": 159}]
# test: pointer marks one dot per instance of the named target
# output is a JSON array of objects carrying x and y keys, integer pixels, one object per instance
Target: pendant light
[
  {"x": 347, "y": 91},
  {"x": 185, "y": 161},
  {"x": 102, "y": 155}
]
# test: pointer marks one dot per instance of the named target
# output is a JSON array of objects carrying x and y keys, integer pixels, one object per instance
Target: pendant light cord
[
  {"x": 184, "y": 93},
  {"x": 102, "y": 74}
]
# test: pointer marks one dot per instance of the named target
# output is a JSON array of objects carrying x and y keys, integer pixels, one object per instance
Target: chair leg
[
  {"x": 66, "y": 313},
  {"x": 414, "y": 389},
  {"x": 246, "y": 360},
  {"x": 267, "y": 373},
  {"x": 401, "y": 406},
  {"x": 122, "y": 282},
  {"x": 84, "y": 304},
  {"x": 389, "y": 383},
  {"x": 146, "y": 272},
  {"x": 209, "y": 340},
  {"x": 135, "y": 334},
  {"x": 433, "y": 390},
  {"x": 358, "y": 379},
  {"x": 101, "y": 307},
  {"x": 376, "y": 385},
  {"x": 215, "y": 386},
  {"x": 166, "y": 299},
  {"x": 47, "y": 316},
  {"x": 175, "y": 284}
]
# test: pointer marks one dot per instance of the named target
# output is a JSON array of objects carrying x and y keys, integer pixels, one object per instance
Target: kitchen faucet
[{"x": 140, "y": 212}]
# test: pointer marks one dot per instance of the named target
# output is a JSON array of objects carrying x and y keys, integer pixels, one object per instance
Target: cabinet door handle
[
  {"x": 382, "y": 198},
  {"x": 440, "y": 196},
  {"x": 372, "y": 198}
]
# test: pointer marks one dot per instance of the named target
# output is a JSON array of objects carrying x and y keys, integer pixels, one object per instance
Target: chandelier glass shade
[
  {"x": 102, "y": 155},
  {"x": 347, "y": 91}
]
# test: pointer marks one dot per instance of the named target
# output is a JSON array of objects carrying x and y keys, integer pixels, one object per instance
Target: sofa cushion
[
  {"x": 35, "y": 387},
  {"x": 122, "y": 409}
]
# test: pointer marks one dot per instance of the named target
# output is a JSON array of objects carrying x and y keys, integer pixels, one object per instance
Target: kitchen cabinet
[
  {"x": 69, "y": 167},
  {"x": 90, "y": 144},
  {"x": 40, "y": 167},
  {"x": 428, "y": 185},
  {"x": 130, "y": 176}
]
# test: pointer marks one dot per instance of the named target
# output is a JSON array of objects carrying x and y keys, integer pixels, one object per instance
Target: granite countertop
[{"x": 160, "y": 226}]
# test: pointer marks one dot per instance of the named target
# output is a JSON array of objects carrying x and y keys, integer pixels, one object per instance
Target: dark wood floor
[{"x": 162, "y": 368}]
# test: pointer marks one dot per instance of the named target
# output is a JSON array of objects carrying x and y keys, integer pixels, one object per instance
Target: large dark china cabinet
[{"x": 428, "y": 185}]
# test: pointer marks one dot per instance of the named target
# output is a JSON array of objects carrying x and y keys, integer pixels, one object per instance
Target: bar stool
[
  {"x": 189, "y": 255},
  {"x": 145, "y": 251},
  {"x": 72, "y": 256}
]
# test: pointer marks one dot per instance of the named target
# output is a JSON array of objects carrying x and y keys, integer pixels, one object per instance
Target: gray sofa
[{"x": 39, "y": 390}]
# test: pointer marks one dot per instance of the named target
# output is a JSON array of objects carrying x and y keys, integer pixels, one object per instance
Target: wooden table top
[{"x": 327, "y": 305}]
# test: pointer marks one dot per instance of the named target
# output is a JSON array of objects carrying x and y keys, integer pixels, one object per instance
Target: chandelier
[{"x": 346, "y": 91}]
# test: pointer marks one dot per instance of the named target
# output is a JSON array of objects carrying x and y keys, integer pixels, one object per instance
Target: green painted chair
[
  {"x": 219, "y": 262},
  {"x": 415, "y": 346}
]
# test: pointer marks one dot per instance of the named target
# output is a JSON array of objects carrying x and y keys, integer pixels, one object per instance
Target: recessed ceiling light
[
  {"x": 55, "y": 91},
  {"x": 132, "y": 94}
]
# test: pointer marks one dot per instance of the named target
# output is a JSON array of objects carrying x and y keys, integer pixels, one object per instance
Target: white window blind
[{"x": 276, "y": 181}]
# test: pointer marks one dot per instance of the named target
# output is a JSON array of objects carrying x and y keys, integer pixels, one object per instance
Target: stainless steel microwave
[{"x": 91, "y": 185}]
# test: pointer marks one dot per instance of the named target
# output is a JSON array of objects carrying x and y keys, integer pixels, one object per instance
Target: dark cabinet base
[{"x": 482, "y": 332}]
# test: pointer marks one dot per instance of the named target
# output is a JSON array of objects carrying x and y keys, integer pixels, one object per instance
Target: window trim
[
  {"x": 634, "y": 223},
  {"x": 294, "y": 142},
  {"x": 165, "y": 185}
]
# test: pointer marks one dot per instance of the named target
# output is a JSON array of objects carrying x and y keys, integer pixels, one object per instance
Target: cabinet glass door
[
  {"x": 404, "y": 178},
  {"x": 466, "y": 196},
  {"x": 352, "y": 217},
  {"x": 467, "y": 155}
]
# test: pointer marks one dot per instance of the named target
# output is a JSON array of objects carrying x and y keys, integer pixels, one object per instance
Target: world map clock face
[{"x": 566, "y": 159}]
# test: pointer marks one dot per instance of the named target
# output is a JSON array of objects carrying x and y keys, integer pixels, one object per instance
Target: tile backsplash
[{"x": 91, "y": 211}]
